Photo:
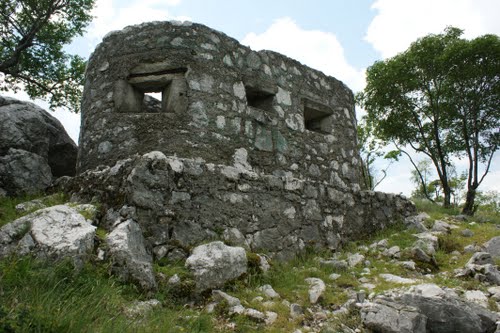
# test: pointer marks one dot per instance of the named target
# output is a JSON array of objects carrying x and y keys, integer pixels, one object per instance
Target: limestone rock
[
  {"x": 316, "y": 289},
  {"x": 355, "y": 259},
  {"x": 390, "y": 317},
  {"x": 23, "y": 172},
  {"x": 493, "y": 247},
  {"x": 215, "y": 263},
  {"x": 397, "y": 279},
  {"x": 480, "y": 258},
  {"x": 476, "y": 296},
  {"x": 219, "y": 296},
  {"x": 128, "y": 254},
  {"x": 26, "y": 126},
  {"x": 268, "y": 290},
  {"x": 416, "y": 222},
  {"x": 441, "y": 226},
  {"x": 55, "y": 232},
  {"x": 141, "y": 308}
]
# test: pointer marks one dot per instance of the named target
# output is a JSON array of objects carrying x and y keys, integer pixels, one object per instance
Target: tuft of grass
[{"x": 8, "y": 212}]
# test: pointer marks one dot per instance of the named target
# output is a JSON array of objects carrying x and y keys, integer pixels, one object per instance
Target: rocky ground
[{"x": 432, "y": 273}]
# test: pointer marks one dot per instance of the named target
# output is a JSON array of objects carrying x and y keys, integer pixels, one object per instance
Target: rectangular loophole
[
  {"x": 317, "y": 117},
  {"x": 158, "y": 92}
]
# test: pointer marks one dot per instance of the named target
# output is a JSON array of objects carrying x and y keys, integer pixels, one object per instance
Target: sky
[{"x": 339, "y": 37}]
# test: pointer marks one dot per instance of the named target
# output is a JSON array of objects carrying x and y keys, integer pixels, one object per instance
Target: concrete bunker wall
[{"x": 216, "y": 96}]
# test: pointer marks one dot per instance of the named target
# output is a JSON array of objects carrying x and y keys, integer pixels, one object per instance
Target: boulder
[
  {"x": 215, "y": 263},
  {"x": 128, "y": 254},
  {"x": 26, "y": 126},
  {"x": 56, "y": 232},
  {"x": 426, "y": 308},
  {"x": 447, "y": 314},
  {"x": 391, "y": 317},
  {"x": 23, "y": 172},
  {"x": 493, "y": 247}
]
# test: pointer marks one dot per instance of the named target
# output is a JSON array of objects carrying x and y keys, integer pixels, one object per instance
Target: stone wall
[
  {"x": 216, "y": 96},
  {"x": 182, "y": 202}
]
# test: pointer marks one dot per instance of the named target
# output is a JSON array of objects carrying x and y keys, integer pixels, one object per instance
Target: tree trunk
[{"x": 469, "y": 208}]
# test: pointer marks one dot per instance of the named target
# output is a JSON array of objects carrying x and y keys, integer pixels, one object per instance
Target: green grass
[
  {"x": 8, "y": 212},
  {"x": 42, "y": 297}
]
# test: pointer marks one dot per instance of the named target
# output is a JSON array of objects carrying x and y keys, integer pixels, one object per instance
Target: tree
[
  {"x": 473, "y": 93},
  {"x": 370, "y": 148},
  {"x": 32, "y": 36},
  {"x": 438, "y": 98}
]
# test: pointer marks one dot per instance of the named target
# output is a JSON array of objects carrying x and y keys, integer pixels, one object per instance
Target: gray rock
[
  {"x": 56, "y": 232},
  {"x": 393, "y": 252},
  {"x": 416, "y": 222},
  {"x": 355, "y": 259},
  {"x": 338, "y": 265},
  {"x": 316, "y": 289},
  {"x": 26, "y": 126},
  {"x": 268, "y": 290},
  {"x": 480, "y": 258},
  {"x": 467, "y": 233},
  {"x": 441, "y": 226},
  {"x": 23, "y": 172},
  {"x": 493, "y": 247},
  {"x": 296, "y": 310},
  {"x": 450, "y": 314},
  {"x": 215, "y": 263},
  {"x": 471, "y": 248},
  {"x": 397, "y": 279},
  {"x": 408, "y": 265},
  {"x": 141, "y": 308},
  {"x": 128, "y": 254},
  {"x": 220, "y": 296},
  {"x": 391, "y": 317},
  {"x": 476, "y": 296}
]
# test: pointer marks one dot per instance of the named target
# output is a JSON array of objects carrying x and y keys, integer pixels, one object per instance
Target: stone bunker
[{"x": 251, "y": 147}]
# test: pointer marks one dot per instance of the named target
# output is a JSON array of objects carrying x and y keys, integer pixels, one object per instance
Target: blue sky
[{"x": 339, "y": 37}]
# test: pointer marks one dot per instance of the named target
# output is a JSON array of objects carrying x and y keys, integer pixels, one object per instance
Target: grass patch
[{"x": 8, "y": 212}]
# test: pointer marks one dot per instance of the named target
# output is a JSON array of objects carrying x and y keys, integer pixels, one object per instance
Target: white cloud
[
  {"x": 112, "y": 15},
  {"x": 400, "y": 22},
  {"x": 317, "y": 49}
]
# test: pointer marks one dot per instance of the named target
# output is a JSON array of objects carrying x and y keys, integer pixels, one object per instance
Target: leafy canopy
[
  {"x": 441, "y": 97},
  {"x": 32, "y": 36}
]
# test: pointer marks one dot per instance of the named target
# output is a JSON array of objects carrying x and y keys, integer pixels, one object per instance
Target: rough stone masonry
[{"x": 251, "y": 147}]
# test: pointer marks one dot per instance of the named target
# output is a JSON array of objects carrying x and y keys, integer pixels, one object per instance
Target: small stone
[
  {"x": 219, "y": 296},
  {"x": 397, "y": 279},
  {"x": 296, "y": 310},
  {"x": 334, "y": 276},
  {"x": 269, "y": 291},
  {"x": 408, "y": 265},
  {"x": 393, "y": 252},
  {"x": 441, "y": 226},
  {"x": 270, "y": 317},
  {"x": 140, "y": 309},
  {"x": 174, "y": 280},
  {"x": 316, "y": 289},
  {"x": 467, "y": 233},
  {"x": 469, "y": 249},
  {"x": 355, "y": 259}
]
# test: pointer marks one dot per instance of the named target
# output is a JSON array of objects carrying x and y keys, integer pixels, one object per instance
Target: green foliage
[
  {"x": 440, "y": 97},
  {"x": 32, "y": 35}
]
